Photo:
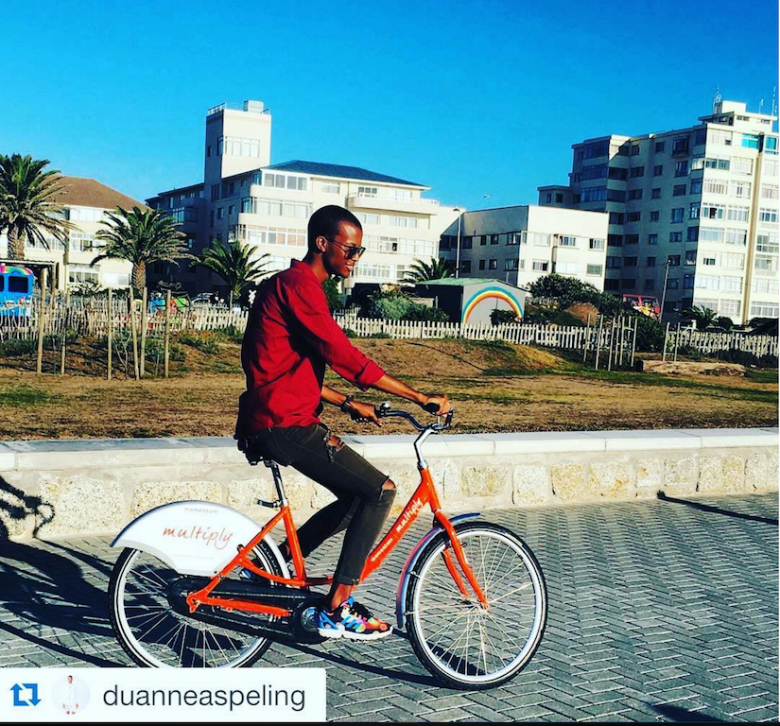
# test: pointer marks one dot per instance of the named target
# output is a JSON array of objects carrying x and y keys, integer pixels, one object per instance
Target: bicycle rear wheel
[
  {"x": 456, "y": 639},
  {"x": 156, "y": 633}
]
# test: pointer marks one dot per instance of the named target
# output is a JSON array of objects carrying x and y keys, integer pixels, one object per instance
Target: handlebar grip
[{"x": 431, "y": 407}]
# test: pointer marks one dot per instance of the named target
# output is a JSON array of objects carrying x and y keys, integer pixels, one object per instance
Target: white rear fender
[{"x": 192, "y": 537}]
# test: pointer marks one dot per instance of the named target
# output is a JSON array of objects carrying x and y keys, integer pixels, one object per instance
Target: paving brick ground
[{"x": 659, "y": 611}]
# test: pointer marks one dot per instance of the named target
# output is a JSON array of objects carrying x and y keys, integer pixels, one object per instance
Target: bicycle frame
[{"x": 425, "y": 494}]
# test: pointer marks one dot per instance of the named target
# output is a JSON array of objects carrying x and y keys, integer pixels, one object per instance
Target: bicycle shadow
[{"x": 18, "y": 506}]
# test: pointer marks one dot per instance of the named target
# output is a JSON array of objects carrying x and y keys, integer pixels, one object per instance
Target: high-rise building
[
  {"x": 693, "y": 212},
  {"x": 245, "y": 197},
  {"x": 523, "y": 243}
]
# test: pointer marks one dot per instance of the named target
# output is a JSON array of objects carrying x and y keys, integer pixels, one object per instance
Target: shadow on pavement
[
  {"x": 675, "y": 714},
  {"x": 717, "y": 510},
  {"x": 16, "y": 505},
  {"x": 43, "y": 590}
]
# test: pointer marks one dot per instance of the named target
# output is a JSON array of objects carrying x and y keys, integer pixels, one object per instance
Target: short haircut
[{"x": 327, "y": 221}]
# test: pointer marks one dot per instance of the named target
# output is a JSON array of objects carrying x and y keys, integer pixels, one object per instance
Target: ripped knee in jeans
[{"x": 333, "y": 444}]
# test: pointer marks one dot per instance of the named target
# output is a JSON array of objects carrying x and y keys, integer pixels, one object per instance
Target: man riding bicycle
[{"x": 290, "y": 337}]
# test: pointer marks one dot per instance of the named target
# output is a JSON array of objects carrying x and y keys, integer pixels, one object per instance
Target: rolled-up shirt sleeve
[{"x": 311, "y": 316}]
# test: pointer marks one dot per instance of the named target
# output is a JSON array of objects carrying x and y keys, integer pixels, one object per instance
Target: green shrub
[
  {"x": 724, "y": 322},
  {"x": 350, "y": 333},
  {"x": 14, "y": 347},
  {"x": 204, "y": 341},
  {"x": 380, "y": 334},
  {"x": 688, "y": 351},
  {"x": 422, "y": 313},
  {"x": 391, "y": 305},
  {"x": 745, "y": 358},
  {"x": 649, "y": 334},
  {"x": 155, "y": 349},
  {"x": 551, "y": 316},
  {"x": 229, "y": 334},
  {"x": 499, "y": 317}
]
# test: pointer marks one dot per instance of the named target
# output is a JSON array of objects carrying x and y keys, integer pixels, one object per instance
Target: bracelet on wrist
[{"x": 346, "y": 403}]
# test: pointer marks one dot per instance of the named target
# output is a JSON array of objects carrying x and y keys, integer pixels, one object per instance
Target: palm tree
[
  {"x": 702, "y": 316},
  {"x": 234, "y": 263},
  {"x": 141, "y": 237},
  {"x": 422, "y": 271},
  {"x": 27, "y": 203}
]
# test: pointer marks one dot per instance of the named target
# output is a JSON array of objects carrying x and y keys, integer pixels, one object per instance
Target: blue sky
[{"x": 471, "y": 98}]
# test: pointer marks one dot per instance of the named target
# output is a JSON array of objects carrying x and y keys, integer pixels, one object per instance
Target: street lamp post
[
  {"x": 663, "y": 294},
  {"x": 457, "y": 249}
]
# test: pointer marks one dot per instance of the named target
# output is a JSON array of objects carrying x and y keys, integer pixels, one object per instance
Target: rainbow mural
[
  {"x": 8, "y": 269},
  {"x": 486, "y": 294}
]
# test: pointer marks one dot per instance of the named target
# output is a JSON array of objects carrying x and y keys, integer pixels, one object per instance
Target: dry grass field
[{"x": 495, "y": 387}]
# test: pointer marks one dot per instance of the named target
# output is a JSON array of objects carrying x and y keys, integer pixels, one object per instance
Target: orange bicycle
[{"x": 200, "y": 585}]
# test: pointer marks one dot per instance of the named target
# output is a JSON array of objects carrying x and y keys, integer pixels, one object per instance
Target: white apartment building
[
  {"x": 693, "y": 212},
  {"x": 85, "y": 204},
  {"x": 520, "y": 244},
  {"x": 266, "y": 205}
]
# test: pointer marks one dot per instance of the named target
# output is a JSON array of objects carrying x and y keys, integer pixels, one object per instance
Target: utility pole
[
  {"x": 663, "y": 294},
  {"x": 457, "y": 248}
]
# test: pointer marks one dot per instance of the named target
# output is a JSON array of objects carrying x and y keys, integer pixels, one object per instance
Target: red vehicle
[{"x": 645, "y": 304}]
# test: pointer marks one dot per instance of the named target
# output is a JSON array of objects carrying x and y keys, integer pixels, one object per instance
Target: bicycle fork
[{"x": 460, "y": 555}]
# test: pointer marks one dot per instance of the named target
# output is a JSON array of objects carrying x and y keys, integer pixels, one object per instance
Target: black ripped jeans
[{"x": 362, "y": 503}]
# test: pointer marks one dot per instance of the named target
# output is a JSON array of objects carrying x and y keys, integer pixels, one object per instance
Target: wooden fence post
[
  {"x": 611, "y": 344},
  {"x": 131, "y": 298},
  {"x": 110, "y": 303},
  {"x": 633, "y": 343},
  {"x": 143, "y": 332},
  {"x": 167, "y": 329},
  {"x": 598, "y": 340},
  {"x": 676, "y": 342},
  {"x": 666, "y": 338},
  {"x": 41, "y": 316}
]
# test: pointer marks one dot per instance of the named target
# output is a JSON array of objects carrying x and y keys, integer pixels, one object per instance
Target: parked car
[{"x": 645, "y": 304}]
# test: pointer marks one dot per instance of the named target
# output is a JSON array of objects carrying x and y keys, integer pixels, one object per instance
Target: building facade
[
  {"x": 693, "y": 212},
  {"x": 245, "y": 197},
  {"x": 85, "y": 203},
  {"x": 520, "y": 244}
]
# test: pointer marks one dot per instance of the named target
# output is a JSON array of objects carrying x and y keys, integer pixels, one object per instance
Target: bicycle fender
[
  {"x": 411, "y": 561},
  {"x": 193, "y": 537}
]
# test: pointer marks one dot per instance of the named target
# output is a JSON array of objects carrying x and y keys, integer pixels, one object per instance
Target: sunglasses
[{"x": 350, "y": 252}]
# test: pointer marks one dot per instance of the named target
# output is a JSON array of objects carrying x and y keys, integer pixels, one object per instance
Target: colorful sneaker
[{"x": 351, "y": 620}]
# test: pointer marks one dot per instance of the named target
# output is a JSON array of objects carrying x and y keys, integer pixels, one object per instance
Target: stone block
[
  {"x": 485, "y": 481},
  {"x": 406, "y": 480},
  {"x": 531, "y": 485},
  {"x": 242, "y": 494},
  {"x": 680, "y": 474},
  {"x": 568, "y": 481},
  {"x": 724, "y": 474},
  {"x": 149, "y": 495},
  {"x": 321, "y": 497},
  {"x": 734, "y": 474},
  {"x": 18, "y": 511},
  {"x": 649, "y": 474},
  {"x": 761, "y": 472},
  {"x": 609, "y": 480},
  {"x": 81, "y": 505}
]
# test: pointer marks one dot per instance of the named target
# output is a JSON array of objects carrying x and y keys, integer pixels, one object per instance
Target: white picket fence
[{"x": 707, "y": 343}]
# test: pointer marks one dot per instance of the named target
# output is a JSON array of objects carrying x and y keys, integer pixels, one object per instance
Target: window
[
  {"x": 540, "y": 265},
  {"x": 771, "y": 167},
  {"x": 593, "y": 194},
  {"x": 614, "y": 263},
  {"x": 515, "y": 238},
  {"x": 736, "y": 237},
  {"x": 481, "y": 264},
  {"x": 681, "y": 168},
  {"x": 675, "y": 237},
  {"x": 709, "y": 261},
  {"x": 693, "y": 210},
  {"x": 629, "y": 261},
  {"x": 558, "y": 198},
  {"x": 483, "y": 240},
  {"x": 628, "y": 283},
  {"x": 765, "y": 242},
  {"x": 674, "y": 260},
  {"x": 492, "y": 264},
  {"x": 707, "y": 282},
  {"x": 677, "y": 215},
  {"x": 733, "y": 261},
  {"x": 680, "y": 145},
  {"x": 596, "y": 243},
  {"x": 567, "y": 241},
  {"x": 330, "y": 188},
  {"x": 231, "y": 209},
  {"x": 540, "y": 239},
  {"x": 595, "y": 270},
  {"x": 690, "y": 257},
  {"x": 741, "y": 165},
  {"x": 411, "y": 222},
  {"x": 719, "y": 138},
  {"x": 592, "y": 151},
  {"x": 368, "y": 191},
  {"x": 616, "y": 195},
  {"x": 634, "y": 194},
  {"x": 770, "y": 191},
  {"x": 615, "y": 240},
  {"x": 637, "y": 171},
  {"x": 616, "y": 217},
  {"x": 220, "y": 212},
  {"x": 595, "y": 171},
  {"x": 766, "y": 285},
  {"x": 652, "y": 239},
  {"x": 632, "y": 239},
  {"x": 214, "y": 192},
  {"x": 634, "y": 216},
  {"x": 649, "y": 284},
  {"x": 713, "y": 211},
  {"x": 711, "y": 234},
  {"x": 700, "y": 137},
  {"x": 566, "y": 268},
  {"x": 548, "y": 198},
  {"x": 688, "y": 282},
  {"x": 211, "y": 218},
  {"x": 715, "y": 186},
  {"x": 368, "y": 218},
  {"x": 739, "y": 189},
  {"x": 466, "y": 243},
  {"x": 465, "y": 266},
  {"x": 658, "y": 170},
  {"x": 659, "y": 147},
  {"x": 635, "y": 150},
  {"x": 655, "y": 215},
  {"x": 679, "y": 190},
  {"x": 693, "y": 234},
  {"x": 618, "y": 172},
  {"x": 704, "y": 303},
  {"x": 611, "y": 284},
  {"x": 766, "y": 214},
  {"x": 510, "y": 264},
  {"x": 494, "y": 239},
  {"x": 731, "y": 283},
  {"x": 696, "y": 185},
  {"x": 673, "y": 284},
  {"x": 650, "y": 262},
  {"x": 749, "y": 141},
  {"x": 697, "y": 163},
  {"x": 764, "y": 310},
  {"x": 729, "y": 307},
  {"x": 717, "y": 162},
  {"x": 656, "y": 193},
  {"x": 766, "y": 263}
]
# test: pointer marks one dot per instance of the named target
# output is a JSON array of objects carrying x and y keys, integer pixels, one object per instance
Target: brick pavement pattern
[{"x": 662, "y": 610}]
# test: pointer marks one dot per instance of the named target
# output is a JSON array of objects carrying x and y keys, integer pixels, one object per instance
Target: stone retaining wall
[{"x": 87, "y": 487}]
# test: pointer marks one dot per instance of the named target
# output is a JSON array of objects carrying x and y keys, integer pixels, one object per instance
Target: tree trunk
[
  {"x": 15, "y": 245},
  {"x": 138, "y": 276}
]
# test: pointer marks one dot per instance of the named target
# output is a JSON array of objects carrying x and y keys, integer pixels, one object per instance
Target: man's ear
[{"x": 321, "y": 243}]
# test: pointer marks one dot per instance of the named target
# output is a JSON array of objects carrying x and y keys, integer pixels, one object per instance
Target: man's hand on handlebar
[
  {"x": 363, "y": 413},
  {"x": 437, "y": 404}
]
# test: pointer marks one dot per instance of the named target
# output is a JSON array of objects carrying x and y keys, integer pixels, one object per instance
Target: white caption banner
[{"x": 138, "y": 695}]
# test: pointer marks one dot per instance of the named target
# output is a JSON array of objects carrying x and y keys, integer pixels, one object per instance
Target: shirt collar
[{"x": 298, "y": 264}]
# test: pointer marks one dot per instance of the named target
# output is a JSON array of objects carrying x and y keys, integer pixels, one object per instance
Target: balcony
[{"x": 389, "y": 204}]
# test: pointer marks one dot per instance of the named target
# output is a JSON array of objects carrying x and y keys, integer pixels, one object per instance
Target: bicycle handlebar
[{"x": 384, "y": 411}]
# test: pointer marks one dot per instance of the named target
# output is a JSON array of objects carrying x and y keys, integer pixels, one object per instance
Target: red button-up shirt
[{"x": 290, "y": 337}]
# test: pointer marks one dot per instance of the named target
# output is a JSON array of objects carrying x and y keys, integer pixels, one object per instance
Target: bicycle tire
[
  {"x": 168, "y": 630},
  {"x": 505, "y": 637}
]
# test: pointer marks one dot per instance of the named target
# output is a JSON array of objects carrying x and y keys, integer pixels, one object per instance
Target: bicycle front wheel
[
  {"x": 156, "y": 634},
  {"x": 460, "y": 642}
]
